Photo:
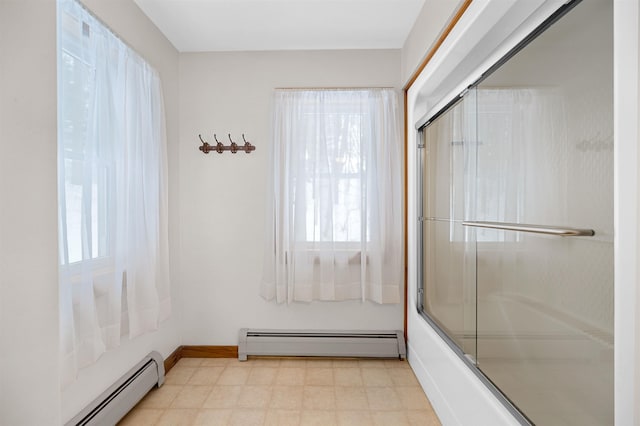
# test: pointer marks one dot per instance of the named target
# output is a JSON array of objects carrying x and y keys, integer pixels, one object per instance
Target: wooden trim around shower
[
  {"x": 430, "y": 53},
  {"x": 447, "y": 29},
  {"x": 406, "y": 226}
]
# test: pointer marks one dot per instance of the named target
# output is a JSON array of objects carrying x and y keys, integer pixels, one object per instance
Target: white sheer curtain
[
  {"x": 112, "y": 189},
  {"x": 335, "y": 197}
]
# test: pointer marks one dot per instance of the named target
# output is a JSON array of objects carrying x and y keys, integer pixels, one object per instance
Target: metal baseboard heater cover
[
  {"x": 321, "y": 343},
  {"x": 114, "y": 403}
]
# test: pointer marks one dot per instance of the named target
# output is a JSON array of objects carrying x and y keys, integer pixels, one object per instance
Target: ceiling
[{"x": 228, "y": 25}]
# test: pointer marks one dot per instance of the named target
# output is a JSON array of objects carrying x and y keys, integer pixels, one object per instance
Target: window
[
  {"x": 332, "y": 176},
  {"x": 335, "y": 197},
  {"x": 87, "y": 168},
  {"x": 114, "y": 277}
]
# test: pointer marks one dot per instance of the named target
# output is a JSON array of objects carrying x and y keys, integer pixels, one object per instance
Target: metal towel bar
[{"x": 537, "y": 229}]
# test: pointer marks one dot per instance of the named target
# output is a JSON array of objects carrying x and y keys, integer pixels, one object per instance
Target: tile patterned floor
[{"x": 280, "y": 392}]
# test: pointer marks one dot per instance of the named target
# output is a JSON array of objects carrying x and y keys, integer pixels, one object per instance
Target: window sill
[
  {"x": 354, "y": 257},
  {"x": 101, "y": 271}
]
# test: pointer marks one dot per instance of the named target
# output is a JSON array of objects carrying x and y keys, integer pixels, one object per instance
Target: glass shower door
[
  {"x": 545, "y": 298},
  {"x": 516, "y": 223},
  {"x": 448, "y": 273}
]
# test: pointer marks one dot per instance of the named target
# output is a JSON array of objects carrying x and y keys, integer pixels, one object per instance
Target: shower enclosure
[{"x": 516, "y": 221}]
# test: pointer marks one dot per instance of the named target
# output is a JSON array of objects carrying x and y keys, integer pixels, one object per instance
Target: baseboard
[
  {"x": 191, "y": 351},
  {"x": 172, "y": 359},
  {"x": 209, "y": 352}
]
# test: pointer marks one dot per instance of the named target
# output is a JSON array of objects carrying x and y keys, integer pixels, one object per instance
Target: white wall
[
  {"x": 127, "y": 20},
  {"x": 430, "y": 23},
  {"x": 222, "y": 196},
  {"x": 28, "y": 211},
  {"x": 29, "y": 379},
  {"x": 627, "y": 211}
]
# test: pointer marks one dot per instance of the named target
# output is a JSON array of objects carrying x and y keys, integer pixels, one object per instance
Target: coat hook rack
[{"x": 219, "y": 147}]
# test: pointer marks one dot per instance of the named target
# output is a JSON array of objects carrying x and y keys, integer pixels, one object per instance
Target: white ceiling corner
[{"x": 245, "y": 25}]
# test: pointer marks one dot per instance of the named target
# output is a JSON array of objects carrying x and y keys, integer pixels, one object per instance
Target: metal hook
[
  {"x": 219, "y": 145},
  {"x": 247, "y": 145},
  {"x": 205, "y": 146},
  {"x": 234, "y": 146}
]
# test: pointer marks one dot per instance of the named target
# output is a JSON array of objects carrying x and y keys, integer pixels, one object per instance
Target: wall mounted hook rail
[{"x": 219, "y": 147}]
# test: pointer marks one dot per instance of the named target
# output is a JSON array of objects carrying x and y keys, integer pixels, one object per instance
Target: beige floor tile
[
  {"x": 388, "y": 418},
  {"x": 376, "y": 377},
  {"x": 189, "y": 362},
  {"x": 262, "y": 376},
  {"x": 345, "y": 363},
  {"x": 161, "y": 397},
  {"x": 141, "y": 416},
  {"x": 291, "y": 391},
  {"x": 318, "y": 376},
  {"x": 206, "y": 375},
  {"x": 234, "y": 376},
  {"x": 372, "y": 363},
  {"x": 282, "y": 418},
  {"x": 254, "y": 397},
  {"x": 265, "y": 362},
  {"x": 178, "y": 417},
  {"x": 347, "y": 377},
  {"x": 222, "y": 396},
  {"x": 290, "y": 376},
  {"x": 235, "y": 362},
  {"x": 216, "y": 362},
  {"x": 383, "y": 398},
  {"x": 403, "y": 377},
  {"x": 179, "y": 375},
  {"x": 293, "y": 362},
  {"x": 397, "y": 363},
  {"x": 213, "y": 417},
  {"x": 319, "y": 398},
  {"x": 423, "y": 418},
  {"x": 247, "y": 417},
  {"x": 318, "y": 418},
  {"x": 286, "y": 397},
  {"x": 351, "y": 398},
  {"x": 354, "y": 418},
  {"x": 319, "y": 363},
  {"x": 191, "y": 396},
  {"x": 412, "y": 398}
]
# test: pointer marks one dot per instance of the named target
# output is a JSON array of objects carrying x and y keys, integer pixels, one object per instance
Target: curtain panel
[
  {"x": 112, "y": 189},
  {"x": 334, "y": 215}
]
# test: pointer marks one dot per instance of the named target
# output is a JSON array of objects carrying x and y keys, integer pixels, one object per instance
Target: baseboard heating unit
[
  {"x": 375, "y": 344},
  {"x": 124, "y": 394}
]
